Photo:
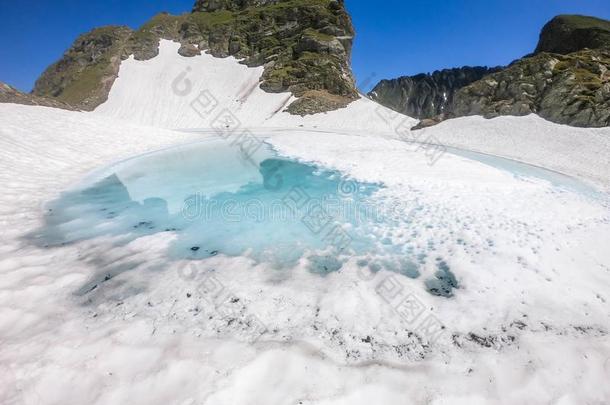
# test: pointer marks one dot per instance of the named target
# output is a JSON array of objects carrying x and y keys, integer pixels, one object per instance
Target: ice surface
[{"x": 218, "y": 201}]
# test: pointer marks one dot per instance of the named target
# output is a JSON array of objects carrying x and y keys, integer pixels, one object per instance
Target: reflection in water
[{"x": 276, "y": 211}]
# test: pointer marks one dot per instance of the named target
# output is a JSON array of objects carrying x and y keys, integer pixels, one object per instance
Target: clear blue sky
[{"x": 394, "y": 37}]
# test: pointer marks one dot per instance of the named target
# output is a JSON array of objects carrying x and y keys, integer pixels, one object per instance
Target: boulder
[{"x": 189, "y": 50}]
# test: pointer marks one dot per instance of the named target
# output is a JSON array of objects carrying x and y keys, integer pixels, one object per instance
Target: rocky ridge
[
  {"x": 426, "y": 95},
  {"x": 85, "y": 73},
  {"x": 571, "y": 89},
  {"x": 304, "y": 45},
  {"x": 9, "y": 94}
]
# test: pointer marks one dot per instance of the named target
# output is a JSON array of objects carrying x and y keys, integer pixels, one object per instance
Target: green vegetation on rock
[
  {"x": 571, "y": 89},
  {"x": 84, "y": 75},
  {"x": 304, "y": 45}
]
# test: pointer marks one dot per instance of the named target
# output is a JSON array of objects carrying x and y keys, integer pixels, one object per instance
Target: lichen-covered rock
[
  {"x": 304, "y": 45},
  {"x": 314, "y": 101},
  {"x": 428, "y": 122},
  {"x": 426, "y": 95},
  {"x": 189, "y": 50},
  {"x": 571, "y": 33},
  {"x": 84, "y": 75},
  {"x": 571, "y": 89}
]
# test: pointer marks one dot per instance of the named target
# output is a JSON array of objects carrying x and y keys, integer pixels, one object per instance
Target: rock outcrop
[
  {"x": 566, "y": 80},
  {"x": 571, "y": 89},
  {"x": 304, "y": 45},
  {"x": 572, "y": 33},
  {"x": 84, "y": 75},
  {"x": 10, "y": 94},
  {"x": 426, "y": 95}
]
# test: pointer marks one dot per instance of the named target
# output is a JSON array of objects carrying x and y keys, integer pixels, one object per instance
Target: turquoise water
[
  {"x": 521, "y": 170},
  {"x": 212, "y": 200},
  {"x": 220, "y": 202}
]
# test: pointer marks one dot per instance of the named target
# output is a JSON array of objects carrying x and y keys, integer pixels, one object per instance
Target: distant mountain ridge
[
  {"x": 304, "y": 45},
  {"x": 426, "y": 95},
  {"x": 566, "y": 81}
]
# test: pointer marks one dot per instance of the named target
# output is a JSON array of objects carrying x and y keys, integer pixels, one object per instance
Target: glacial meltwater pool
[
  {"x": 220, "y": 202},
  {"x": 214, "y": 200}
]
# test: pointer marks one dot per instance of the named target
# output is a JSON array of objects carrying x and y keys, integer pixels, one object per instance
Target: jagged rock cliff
[
  {"x": 426, "y": 95},
  {"x": 304, "y": 45}
]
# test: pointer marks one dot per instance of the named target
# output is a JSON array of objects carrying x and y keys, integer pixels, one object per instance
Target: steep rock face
[
  {"x": 84, "y": 75},
  {"x": 9, "y": 94},
  {"x": 304, "y": 45},
  {"x": 571, "y": 89},
  {"x": 571, "y": 33},
  {"x": 426, "y": 95}
]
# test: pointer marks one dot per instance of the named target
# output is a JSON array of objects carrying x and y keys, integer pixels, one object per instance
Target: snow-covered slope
[
  {"x": 166, "y": 91},
  {"x": 175, "y": 92},
  {"x": 529, "y": 323},
  {"x": 579, "y": 152}
]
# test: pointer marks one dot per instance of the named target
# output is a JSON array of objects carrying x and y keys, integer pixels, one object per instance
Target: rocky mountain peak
[
  {"x": 231, "y": 5},
  {"x": 567, "y": 81},
  {"x": 304, "y": 45},
  {"x": 572, "y": 33},
  {"x": 238, "y": 5}
]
